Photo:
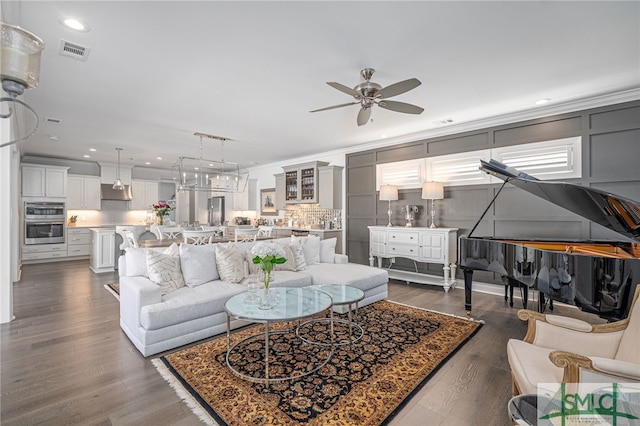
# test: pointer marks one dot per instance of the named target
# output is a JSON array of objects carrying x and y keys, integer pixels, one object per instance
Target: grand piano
[{"x": 596, "y": 276}]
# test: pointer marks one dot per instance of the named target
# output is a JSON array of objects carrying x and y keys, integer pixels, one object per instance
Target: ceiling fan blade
[
  {"x": 335, "y": 106},
  {"x": 363, "y": 116},
  {"x": 398, "y": 88},
  {"x": 400, "y": 107},
  {"x": 344, "y": 89}
]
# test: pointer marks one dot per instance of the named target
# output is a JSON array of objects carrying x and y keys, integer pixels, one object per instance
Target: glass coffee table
[
  {"x": 340, "y": 295},
  {"x": 289, "y": 304}
]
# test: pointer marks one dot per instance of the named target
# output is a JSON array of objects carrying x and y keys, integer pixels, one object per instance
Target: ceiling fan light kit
[{"x": 368, "y": 94}]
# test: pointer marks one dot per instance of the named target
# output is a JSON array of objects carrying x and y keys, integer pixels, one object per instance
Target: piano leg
[
  {"x": 542, "y": 302},
  {"x": 468, "y": 279}
]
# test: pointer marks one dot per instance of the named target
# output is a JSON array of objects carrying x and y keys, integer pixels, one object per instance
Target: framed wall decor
[{"x": 268, "y": 202}]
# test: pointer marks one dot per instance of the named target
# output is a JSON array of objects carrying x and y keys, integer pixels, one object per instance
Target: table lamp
[
  {"x": 389, "y": 193},
  {"x": 432, "y": 191}
]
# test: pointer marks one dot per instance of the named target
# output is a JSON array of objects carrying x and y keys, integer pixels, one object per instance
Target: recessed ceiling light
[
  {"x": 158, "y": 158},
  {"x": 543, "y": 101},
  {"x": 384, "y": 135},
  {"x": 75, "y": 24},
  {"x": 147, "y": 163},
  {"x": 86, "y": 156},
  {"x": 92, "y": 149}
]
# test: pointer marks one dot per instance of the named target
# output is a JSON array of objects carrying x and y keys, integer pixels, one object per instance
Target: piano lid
[{"x": 617, "y": 213}]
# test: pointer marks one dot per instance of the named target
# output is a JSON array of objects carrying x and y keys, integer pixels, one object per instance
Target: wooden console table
[{"x": 428, "y": 245}]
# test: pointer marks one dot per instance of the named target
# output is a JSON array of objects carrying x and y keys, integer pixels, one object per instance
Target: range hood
[{"x": 108, "y": 193}]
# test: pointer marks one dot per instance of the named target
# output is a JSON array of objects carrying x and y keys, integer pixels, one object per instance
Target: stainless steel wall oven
[{"x": 44, "y": 222}]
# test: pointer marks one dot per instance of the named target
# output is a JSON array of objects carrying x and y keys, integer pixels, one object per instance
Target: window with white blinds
[
  {"x": 404, "y": 174},
  {"x": 458, "y": 169},
  {"x": 556, "y": 159}
]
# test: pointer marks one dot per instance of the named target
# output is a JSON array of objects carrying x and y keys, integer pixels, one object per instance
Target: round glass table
[
  {"x": 289, "y": 304},
  {"x": 340, "y": 295}
]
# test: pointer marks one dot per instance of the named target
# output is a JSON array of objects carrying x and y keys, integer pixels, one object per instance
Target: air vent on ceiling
[
  {"x": 73, "y": 50},
  {"x": 52, "y": 120},
  {"x": 443, "y": 122}
]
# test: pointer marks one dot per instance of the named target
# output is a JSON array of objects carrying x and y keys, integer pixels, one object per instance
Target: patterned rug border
[
  {"x": 438, "y": 312},
  {"x": 197, "y": 405},
  {"x": 207, "y": 414},
  {"x": 112, "y": 291}
]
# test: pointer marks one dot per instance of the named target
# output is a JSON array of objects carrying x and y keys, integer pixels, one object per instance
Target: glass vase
[
  {"x": 266, "y": 299},
  {"x": 266, "y": 294}
]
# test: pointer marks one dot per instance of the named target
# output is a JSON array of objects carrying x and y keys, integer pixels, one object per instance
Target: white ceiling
[{"x": 251, "y": 71}]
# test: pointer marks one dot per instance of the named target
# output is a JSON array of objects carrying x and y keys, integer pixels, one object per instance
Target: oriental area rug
[
  {"x": 363, "y": 384},
  {"x": 114, "y": 289}
]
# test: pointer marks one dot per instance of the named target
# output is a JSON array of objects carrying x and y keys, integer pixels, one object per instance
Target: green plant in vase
[{"x": 267, "y": 255}]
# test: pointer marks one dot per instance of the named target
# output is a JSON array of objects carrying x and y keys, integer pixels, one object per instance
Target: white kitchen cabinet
[
  {"x": 145, "y": 194},
  {"x": 83, "y": 192},
  {"x": 44, "y": 181},
  {"x": 108, "y": 173},
  {"x": 330, "y": 187},
  {"x": 78, "y": 242},
  {"x": 429, "y": 245},
  {"x": 102, "y": 258},
  {"x": 41, "y": 253},
  {"x": 301, "y": 182},
  {"x": 246, "y": 200},
  {"x": 279, "y": 201}
]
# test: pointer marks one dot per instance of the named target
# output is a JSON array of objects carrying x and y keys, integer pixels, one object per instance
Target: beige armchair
[{"x": 559, "y": 349}]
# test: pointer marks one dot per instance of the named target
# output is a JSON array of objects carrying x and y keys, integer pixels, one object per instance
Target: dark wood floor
[{"x": 64, "y": 359}]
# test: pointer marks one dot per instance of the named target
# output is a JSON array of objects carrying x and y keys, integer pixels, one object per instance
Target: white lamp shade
[
  {"x": 432, "y": 191},
  {"x": 388, "y": 193}
]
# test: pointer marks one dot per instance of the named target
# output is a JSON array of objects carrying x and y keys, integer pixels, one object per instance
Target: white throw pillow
[
  {"x": 328, "y": 250},
  {"x": 298, "y": 256},
  {"x": 252, "y": 268},
  {"x": 230, "y": 263},
  {"x": 136, "y": 258},
  {"x": 290, "y": 264},
  {"x": 198, "y": 264},
  {"x": 164, "y": 270},
  {"x": 310, "y": 247}
]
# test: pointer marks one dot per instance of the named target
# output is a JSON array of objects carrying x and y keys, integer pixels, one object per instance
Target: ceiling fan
[{"x": 368, "y": 94}]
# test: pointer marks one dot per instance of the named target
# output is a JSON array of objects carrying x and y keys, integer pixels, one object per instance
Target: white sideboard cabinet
[{"x": 428, "y": 245}]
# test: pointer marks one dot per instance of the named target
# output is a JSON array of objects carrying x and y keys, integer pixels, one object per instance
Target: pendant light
[{"x": 118, "y": 185}]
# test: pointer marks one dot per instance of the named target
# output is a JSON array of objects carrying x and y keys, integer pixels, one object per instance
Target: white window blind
[
  {"x": 404, "y": 174},
  {"x": 458, "y": 169},
  {"x": 557, "y": 159}
]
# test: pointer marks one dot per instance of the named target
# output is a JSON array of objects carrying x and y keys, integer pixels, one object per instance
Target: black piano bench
[{"x": 509, "y": 285}]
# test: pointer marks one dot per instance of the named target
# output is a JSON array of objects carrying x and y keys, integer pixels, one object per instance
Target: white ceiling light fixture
[
  {"x": 118, "y": 185},
  {"x": 75, "y": 24},
  {"x": 199, "y": 174},
  {"x": 543, "y": 101},
  {"x": 20, "y": 53}
]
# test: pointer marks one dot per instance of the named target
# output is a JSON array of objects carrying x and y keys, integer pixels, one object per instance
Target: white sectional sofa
[{"x": 156, "y": 322}]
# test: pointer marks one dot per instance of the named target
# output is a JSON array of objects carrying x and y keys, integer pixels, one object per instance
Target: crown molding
[
  {"x": 471, "y": 125},
  {"x": 499, "y": 120}
]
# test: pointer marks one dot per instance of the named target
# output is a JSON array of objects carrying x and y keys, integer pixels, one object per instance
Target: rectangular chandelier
[{"x": 203, "y": 175}]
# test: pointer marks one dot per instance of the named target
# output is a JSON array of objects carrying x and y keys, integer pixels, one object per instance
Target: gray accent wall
[{"x": 610, "y": 161}]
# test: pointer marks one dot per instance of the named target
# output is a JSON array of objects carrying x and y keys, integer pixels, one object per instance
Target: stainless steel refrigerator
[{"x": 216, "y": 210}]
